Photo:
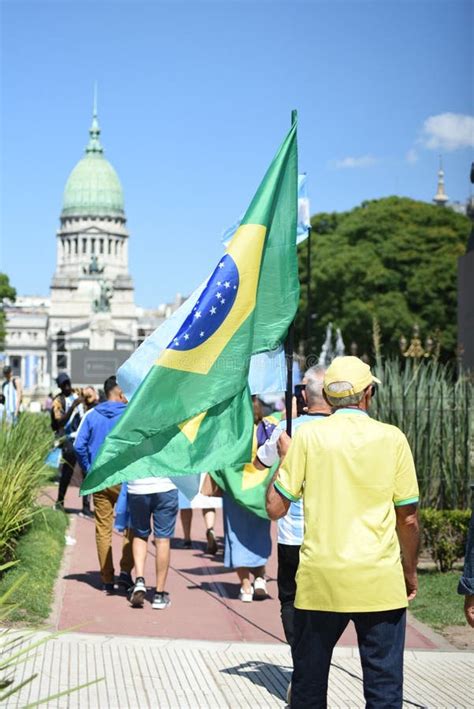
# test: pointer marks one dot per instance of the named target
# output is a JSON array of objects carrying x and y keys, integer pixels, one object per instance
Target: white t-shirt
[{"x": 147, "y": 486}]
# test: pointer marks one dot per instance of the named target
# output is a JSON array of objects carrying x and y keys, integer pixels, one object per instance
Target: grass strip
[
  {"x": 438, "y": 604},
  {"x": 39, "y": 553}
]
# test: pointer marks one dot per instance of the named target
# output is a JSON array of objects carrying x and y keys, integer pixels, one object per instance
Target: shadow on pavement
[
  {"x": 273, "y": 678},
  {"x": 205, "y": 570},
  {"x": 91, "y": 578}
]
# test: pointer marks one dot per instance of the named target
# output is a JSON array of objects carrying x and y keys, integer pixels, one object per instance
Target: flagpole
[
  {"x": 289, "y": 347},
  {"x": 308, "y": 289}
]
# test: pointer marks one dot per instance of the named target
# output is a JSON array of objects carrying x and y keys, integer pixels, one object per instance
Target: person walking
[
  {"x": 247, "y": 540},
  {"x": 290, "y": 527},
  {"x": 66, "y": 414},
  {"x": 91, "y": 399},
  {"x": 360, "y": 493},
  {"x": 152, "y": 499},
  {"x": 12, "y": 390},
  {"x": 91, "y": 434}
]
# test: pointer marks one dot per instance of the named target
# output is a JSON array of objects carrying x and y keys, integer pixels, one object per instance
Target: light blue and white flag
[{"x": 303, "y": 223}]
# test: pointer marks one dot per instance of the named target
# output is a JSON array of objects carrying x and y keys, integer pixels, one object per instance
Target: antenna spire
[
  {"x": 94, "y": 146},
  {"x": 440, "y": 197}
]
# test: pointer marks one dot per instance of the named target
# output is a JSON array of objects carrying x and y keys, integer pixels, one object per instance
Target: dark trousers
[
  {"x": 66, "y": 470},
  {"x": 288, "y": 560},
  {"x": 381, "y": 639}
]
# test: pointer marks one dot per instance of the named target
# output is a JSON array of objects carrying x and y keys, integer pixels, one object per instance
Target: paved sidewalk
[
  {"x": 150, "y": 673},
  {"x": 204, "y": 595},
  {"x": 233, "y": 654}
]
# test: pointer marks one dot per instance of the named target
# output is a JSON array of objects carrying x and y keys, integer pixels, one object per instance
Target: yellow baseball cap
[{"x": 348, "y": 369}]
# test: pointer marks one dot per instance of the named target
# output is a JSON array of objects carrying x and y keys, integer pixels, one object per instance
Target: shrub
[
  {"x": 444, "y": 535},
  {"x": 22, "y": 452}
]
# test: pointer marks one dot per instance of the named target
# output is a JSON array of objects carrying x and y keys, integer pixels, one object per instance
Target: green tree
[
  {"x": 6, "y": 292},
  {"x": 393, "y": 259}
]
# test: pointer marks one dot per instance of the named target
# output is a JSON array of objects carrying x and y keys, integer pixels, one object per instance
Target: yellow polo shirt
[{"x": 352, "y": 472}]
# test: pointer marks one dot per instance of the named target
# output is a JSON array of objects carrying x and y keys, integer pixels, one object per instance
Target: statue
[
  {"x": 326, "y": 356},
  {"x": 102, "y": 303},
  {"x": 93, "y": 269},
  {"x": 340, "y": 347},
  {"x": 328, "y": 350}
]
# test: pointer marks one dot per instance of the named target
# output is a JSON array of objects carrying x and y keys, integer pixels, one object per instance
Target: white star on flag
[
  {"x": 201, "y": 334},
  {"x": 222, "y": 301},
  {"x": 213, "y": 310},
  {"x": 197, "y": 314},
  {"x": 218, "y": 296},
  {"x": 227, "y": 284},
  {"x": 186, "y": 337},
  {"x": 221, "y": 265}
]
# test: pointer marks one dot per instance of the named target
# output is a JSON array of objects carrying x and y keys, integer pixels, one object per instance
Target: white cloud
[
  {"x": 412, "y": 156},
  {"x": 448, "y": 131},
  {"x": 351, "y": 162}
]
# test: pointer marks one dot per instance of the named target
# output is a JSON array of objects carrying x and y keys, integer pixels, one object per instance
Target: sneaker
[
  {"x": 125, "y": 581},
  {"x": 59, "y": 506},
  {"x": 161, "y": 600},
  {"x": 138, "y": 593},
  {"x": 86, "y": 512},
  {"x": 246, "y": 596},
  {"x": 260, "y": 588},
  {"x": 211, "y": 542},
  {"x": 187, "y": 544},
  {"x": 108, "y": 588}
]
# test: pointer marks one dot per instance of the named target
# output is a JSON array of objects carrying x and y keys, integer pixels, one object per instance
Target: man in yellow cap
[{"x": 360, "y": 494}]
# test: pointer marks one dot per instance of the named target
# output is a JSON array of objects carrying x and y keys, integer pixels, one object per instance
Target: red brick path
[{"x": 203, "y": 593}]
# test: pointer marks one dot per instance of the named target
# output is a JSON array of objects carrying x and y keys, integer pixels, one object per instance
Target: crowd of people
[{"x": 344, "y": 493}]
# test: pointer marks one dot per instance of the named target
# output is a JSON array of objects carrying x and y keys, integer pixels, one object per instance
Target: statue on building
[
  {"x": 93, "y": 269},
  {"x": 103, "y": 302}
]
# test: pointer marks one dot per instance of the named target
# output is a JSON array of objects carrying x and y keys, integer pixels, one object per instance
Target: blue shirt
[{"x": 290, "y": 527}]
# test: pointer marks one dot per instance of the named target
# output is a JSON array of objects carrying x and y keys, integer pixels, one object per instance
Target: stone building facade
[{"x": 90, "y": 323}]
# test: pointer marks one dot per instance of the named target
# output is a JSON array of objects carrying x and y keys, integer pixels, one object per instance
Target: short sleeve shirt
[{"x": 351, "y": 472}]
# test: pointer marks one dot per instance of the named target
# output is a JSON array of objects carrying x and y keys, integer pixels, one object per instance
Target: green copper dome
[{"x": 93, "y": 188}]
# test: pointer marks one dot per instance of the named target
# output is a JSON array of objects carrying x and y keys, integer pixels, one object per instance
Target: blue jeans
[{"x": 381, "y": 639}]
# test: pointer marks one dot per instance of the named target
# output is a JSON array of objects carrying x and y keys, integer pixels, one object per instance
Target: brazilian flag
[{"x": 192, "y": 412}]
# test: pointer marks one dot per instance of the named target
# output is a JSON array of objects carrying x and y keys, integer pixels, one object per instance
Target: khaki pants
[{"x": 104, "y": 503}]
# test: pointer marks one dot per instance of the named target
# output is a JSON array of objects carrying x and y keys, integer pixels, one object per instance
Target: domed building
[
  {"x": 90, "y": 324},
  {"x": 92, "y": 299}
]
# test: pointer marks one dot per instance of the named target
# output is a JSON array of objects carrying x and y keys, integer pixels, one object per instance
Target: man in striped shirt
[{"x": 291, "y": 527}]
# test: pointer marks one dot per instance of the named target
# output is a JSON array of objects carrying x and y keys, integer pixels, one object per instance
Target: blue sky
[{"x": 194, "y": 99}]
